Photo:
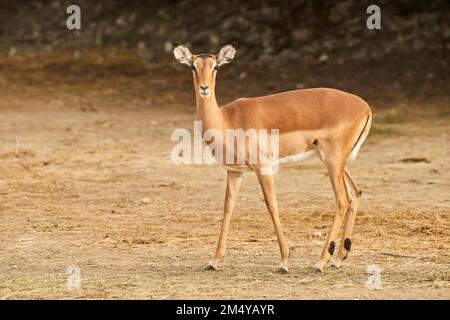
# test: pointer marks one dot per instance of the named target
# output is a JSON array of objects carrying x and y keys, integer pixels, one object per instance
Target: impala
[{"x": 328, "y": 122}]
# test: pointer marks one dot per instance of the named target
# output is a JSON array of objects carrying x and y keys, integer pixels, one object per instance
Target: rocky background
[{"x": 409, "y": 54}]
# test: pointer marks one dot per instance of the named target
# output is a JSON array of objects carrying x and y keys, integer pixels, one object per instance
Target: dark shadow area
[{"x": 283, "y": 44}]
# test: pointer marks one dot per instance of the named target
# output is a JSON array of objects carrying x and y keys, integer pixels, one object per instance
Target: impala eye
[
  {"x": 216, "y": 67},
  {"x": 193, "y": 67}
]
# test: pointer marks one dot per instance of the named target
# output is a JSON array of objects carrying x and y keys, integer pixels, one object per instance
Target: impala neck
[{"x": 208, "y": 112}]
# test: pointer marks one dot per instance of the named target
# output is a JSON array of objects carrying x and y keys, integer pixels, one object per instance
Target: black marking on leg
[
  {"x": 346, "y": 255},
  {"x": 331, "y": 248},
  {"x": 347, "y": 244}
]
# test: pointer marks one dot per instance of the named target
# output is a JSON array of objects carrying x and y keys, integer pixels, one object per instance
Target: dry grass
[{"x": 87, "y": 180}]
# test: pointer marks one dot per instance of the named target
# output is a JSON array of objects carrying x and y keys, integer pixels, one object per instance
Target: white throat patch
[{"x": 204, "y": 94}]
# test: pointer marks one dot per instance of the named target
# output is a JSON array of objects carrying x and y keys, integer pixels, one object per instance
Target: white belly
[
  {"x": 294, "y": 158},
  {"x": 297, "y": 157}
]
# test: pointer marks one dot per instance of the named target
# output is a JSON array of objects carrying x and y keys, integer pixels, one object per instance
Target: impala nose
[{"x": 204, "y": 88}]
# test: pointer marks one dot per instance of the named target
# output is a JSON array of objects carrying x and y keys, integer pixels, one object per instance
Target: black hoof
[
  {"x": 282, "y": 270},
  {"x": 210, "y": 268},
  {"x": 316, "y": 268}
]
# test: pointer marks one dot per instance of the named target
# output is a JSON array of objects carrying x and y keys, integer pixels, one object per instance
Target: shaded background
[{"x": 288, "y": 44}]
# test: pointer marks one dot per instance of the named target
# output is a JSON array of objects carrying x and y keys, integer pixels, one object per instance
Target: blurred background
[
  {"x": 85, "y": 173},
  {"x": 283, "y": 44}
]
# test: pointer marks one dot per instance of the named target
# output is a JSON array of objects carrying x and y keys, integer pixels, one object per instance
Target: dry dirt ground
[{"x": 86, "y": 180}]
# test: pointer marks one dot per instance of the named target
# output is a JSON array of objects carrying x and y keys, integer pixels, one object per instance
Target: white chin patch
[{"x": 204, "y": 94}]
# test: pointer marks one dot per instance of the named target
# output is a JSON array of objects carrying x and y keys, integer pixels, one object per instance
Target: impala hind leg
[
  {"x": 336, "y": 173},
  {"x": 346, "y": 242},
  {"x": 268, "y": 187},
  {"x": 234, "y": 179}
]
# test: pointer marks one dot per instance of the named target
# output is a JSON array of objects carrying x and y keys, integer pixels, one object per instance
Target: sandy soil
[{"x": 86, "y": 180}]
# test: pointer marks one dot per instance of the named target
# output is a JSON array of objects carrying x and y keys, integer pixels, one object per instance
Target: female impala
[{"x": 329, "y": 122}]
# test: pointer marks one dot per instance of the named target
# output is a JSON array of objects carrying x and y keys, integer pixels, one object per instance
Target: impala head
[{"x": 204, "y": 66}]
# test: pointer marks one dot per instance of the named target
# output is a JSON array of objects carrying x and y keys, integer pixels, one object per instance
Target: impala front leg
[
  {"x": 268, "y": 187},
  {"x": 234, "y": 179}
]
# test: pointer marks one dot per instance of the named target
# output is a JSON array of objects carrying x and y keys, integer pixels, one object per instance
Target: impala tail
[{"x": 362, "y": 137}]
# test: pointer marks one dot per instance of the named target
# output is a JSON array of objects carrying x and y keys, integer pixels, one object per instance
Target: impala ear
[
  {"x": 182, "y": 54},
  {"x": 226, "y": 54}
]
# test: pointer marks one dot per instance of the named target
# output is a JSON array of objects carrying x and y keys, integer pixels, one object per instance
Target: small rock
[
  {"x": 120, "y": 21},
  {"x": 12, "y": 52},
  {"x": 242, "y": 75},
  {"x": 323, "y": 58},
  {"x": 167, "y": 46},
  {"x": 214, "y": 40},
  {"x": 316, "y": 234},
  {"x": 301, "y": 35},
  {"x": 145, "y": 201},
  {"x": 141, "y": 45}
]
